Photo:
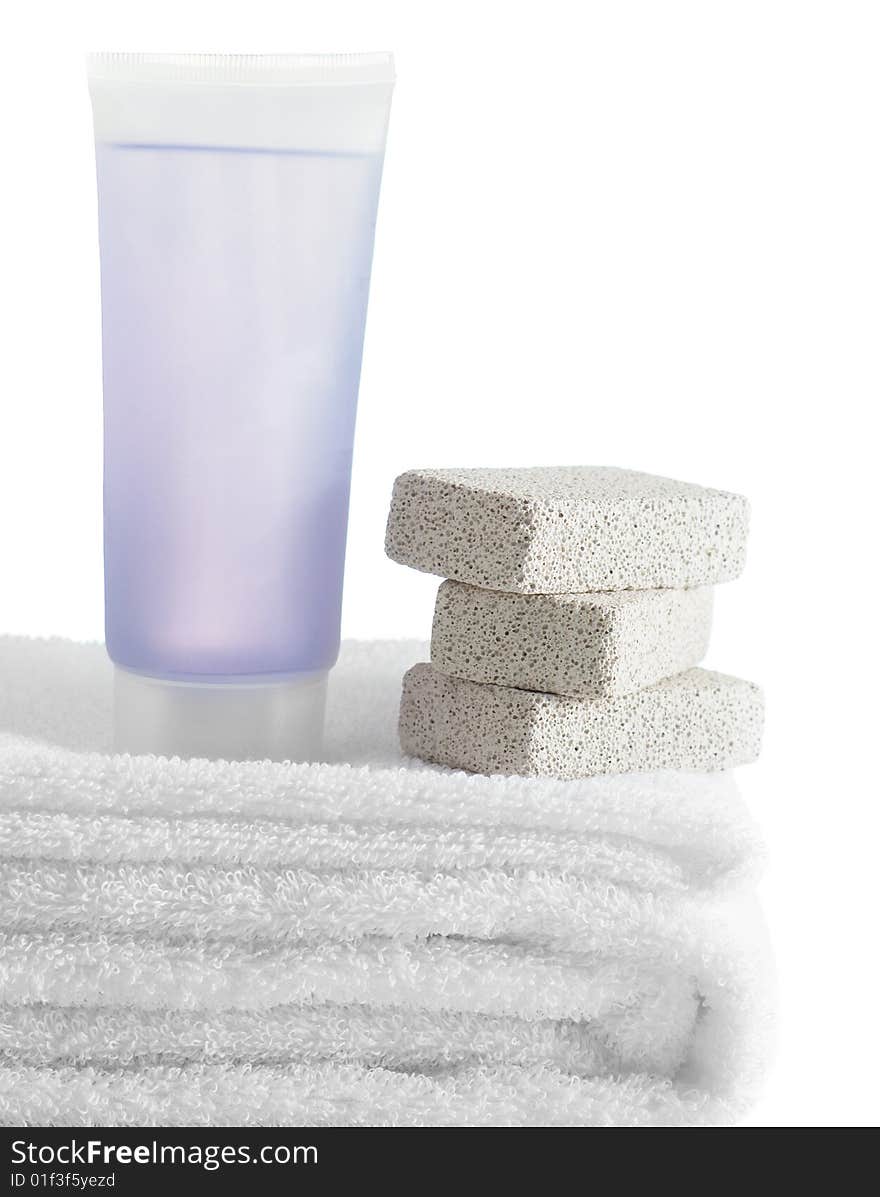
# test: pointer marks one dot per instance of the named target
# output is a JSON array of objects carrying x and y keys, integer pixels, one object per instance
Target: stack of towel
[
  {"x": 368, "y": 941},
  {"x": 566, "y": 644}
]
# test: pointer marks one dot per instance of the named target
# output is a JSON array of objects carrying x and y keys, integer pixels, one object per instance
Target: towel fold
[
  {"x": 332, "y": 1095},
  {"x": 398, "y": 1037},
  {"x": 547, "y": 909},
  {"x": 366, "y": 941}
]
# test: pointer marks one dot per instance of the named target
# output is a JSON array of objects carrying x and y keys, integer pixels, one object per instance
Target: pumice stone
[
  {"x": 582, "y": 645},
  {"x": 560, "y": 530},
  {"x": 697, "y": 720}
]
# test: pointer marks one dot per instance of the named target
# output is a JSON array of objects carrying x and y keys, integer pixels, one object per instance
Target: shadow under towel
[{"x": 368, "y": 941}]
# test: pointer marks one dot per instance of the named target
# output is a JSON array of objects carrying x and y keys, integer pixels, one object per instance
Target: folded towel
[{"x": 367, "y": 941}]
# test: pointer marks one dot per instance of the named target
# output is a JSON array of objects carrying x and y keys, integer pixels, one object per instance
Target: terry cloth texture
[
  {"x": 559, "y": 530},
  {"x": 695, "y": 720},
  {"x": 363, "y": 942},
  {"x": 579, "y": 645}
]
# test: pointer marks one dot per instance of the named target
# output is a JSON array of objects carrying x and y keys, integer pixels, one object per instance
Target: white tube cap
[{"x": 234, "y": 721}]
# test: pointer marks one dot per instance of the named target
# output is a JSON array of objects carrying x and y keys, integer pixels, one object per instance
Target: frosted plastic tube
[{"x": 237, "y": 202}]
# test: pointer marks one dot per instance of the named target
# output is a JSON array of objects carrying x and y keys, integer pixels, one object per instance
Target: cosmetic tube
[{"x": 237, "y": 202}]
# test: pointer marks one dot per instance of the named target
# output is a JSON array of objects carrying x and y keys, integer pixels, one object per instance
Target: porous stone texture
[
  {"x": 695, "y": 720},
  {"x": 581, "y": 645},
  {"x": 558, "y": 530}
]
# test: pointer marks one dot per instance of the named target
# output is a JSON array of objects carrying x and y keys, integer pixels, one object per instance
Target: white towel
[{"x": 368, "y": 941}]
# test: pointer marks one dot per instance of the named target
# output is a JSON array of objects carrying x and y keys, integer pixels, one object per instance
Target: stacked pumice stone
[{"x": 576, "y": 610}]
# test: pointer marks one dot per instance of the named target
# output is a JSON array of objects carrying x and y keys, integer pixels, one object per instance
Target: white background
[{"x": 636, "y": 234}]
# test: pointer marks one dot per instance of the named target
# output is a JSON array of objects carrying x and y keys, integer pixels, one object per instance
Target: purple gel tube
[{"x": 237, "y": 207}]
